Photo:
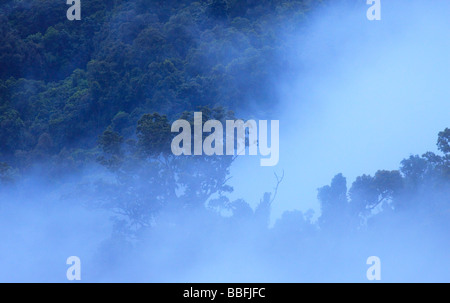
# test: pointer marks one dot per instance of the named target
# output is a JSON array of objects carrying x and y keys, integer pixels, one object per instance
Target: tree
[
  {"x": 111, "y": 144},
  {"x": 334, "y": 204},
  {"x": 154, "y": 136},
  {"x": 444, "y": 141},
  {"x": 414, "y": 169},
  {"x": 11, "y": 130},
  {"x": 150, "y": 180},
  {"x": 368, "y": 192},
  {"x": 363, "y": 195}
]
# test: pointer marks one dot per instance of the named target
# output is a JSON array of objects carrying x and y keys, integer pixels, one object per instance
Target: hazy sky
[{"x": 370, "y": 93}]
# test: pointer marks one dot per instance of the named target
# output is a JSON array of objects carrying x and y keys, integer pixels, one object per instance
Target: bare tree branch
[{"x": 279, "y": 179}]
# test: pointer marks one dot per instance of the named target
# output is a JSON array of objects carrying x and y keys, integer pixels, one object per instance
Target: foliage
[
  {"x": 73, "y": 80},
  {"x": 108, "y": 86},
  {"x": 421, "y": 185}
]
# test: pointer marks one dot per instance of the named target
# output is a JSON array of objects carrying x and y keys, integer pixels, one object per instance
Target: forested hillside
[
  {"x": 103, "y": 92},
  {"x": 63, "y": 83}
]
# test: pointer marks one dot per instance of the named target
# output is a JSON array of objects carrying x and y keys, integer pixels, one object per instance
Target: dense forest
[
  {"x": 64, "y": 83},
  {"x": 105, "y": 90}
]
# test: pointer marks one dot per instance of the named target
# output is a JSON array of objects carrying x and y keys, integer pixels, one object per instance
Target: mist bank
[
  {"x": 43, "y": 223},
  {"x": 357, "y": 98},
  {"x": 361, "y": 96}
]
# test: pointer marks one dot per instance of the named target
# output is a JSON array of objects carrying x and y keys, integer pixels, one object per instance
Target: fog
[{"x": 366, "y": 95}]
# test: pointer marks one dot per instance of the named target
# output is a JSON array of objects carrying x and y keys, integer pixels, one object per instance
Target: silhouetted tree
[{"x": 334, "y": 204}]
